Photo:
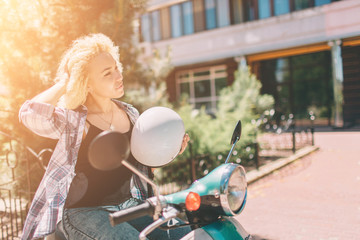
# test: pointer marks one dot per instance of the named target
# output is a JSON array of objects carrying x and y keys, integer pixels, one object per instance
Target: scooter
[{"x": 210, "y": 203}]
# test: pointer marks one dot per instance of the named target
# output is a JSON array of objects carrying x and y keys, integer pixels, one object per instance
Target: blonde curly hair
[{"x": 73, "y": 67}]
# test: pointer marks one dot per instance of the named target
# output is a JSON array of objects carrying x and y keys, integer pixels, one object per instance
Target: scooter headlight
[{"x": 233, "y": 190}]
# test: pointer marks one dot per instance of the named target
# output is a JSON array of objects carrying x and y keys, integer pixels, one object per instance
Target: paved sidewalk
[
  {"x": 316, "y": 197},
  {"x": 255, "y": 175}
]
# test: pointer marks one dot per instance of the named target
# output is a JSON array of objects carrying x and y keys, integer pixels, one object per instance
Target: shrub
[{"x": 210, "y": 136}]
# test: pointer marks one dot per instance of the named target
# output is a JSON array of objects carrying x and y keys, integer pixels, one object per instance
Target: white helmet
[{"x": 157, "y": 136}]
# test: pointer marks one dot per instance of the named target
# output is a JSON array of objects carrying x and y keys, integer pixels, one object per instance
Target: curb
[{"x": 255, "y": 175}]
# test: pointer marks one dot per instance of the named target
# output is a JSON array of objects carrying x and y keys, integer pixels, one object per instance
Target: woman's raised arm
[{"x": 52, "y": 94}]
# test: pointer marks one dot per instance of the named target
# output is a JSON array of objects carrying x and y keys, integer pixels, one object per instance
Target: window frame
[{"x": 191, "y": 79}]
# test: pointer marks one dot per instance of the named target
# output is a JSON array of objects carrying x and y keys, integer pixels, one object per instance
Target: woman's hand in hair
[{"x": 63, "y": 79}]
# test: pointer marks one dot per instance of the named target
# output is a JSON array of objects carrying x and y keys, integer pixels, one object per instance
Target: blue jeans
[{"x": 93, "y": 223}]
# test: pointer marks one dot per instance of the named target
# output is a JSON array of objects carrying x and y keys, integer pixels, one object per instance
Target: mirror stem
[
  {"x": 158, "y": 207},
  {"x": 232, "y": 148}
]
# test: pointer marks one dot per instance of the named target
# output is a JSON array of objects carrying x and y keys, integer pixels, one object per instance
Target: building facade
[{"x": 306, "y": 53}]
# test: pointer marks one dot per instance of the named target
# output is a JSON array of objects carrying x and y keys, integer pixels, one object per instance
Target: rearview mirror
[
  {"x": 236, "y": 134},
  {"x": 108, "y": 150}
]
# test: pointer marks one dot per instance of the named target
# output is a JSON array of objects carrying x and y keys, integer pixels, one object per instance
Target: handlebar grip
[{"x": 131, "y": 213}]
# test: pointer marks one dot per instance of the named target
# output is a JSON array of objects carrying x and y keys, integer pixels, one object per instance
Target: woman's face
[{"x": 105, "y": 79}]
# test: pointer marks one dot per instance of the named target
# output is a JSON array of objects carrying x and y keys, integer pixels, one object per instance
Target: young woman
[{"x": 74, "y": 198}]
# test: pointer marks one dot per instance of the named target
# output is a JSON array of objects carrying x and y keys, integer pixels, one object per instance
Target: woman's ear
[{"x": 90, "y": 90}]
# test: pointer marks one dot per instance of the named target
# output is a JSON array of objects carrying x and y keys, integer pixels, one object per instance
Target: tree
[
  {"x": 153, "y": 90},
  {"x": 34, "y": 35}
]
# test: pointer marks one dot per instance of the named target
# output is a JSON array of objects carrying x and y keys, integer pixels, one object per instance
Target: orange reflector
[{"x": 192, "y": 201}]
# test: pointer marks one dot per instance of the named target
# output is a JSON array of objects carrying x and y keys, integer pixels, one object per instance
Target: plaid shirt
[{"x": 68, "y": 126}]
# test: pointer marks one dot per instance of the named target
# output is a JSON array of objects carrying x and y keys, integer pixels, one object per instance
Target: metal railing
[
  {"x": 15, "y": 184},
  {"x": 273, "y": 139},
  {"x": 280, "y": 136}
]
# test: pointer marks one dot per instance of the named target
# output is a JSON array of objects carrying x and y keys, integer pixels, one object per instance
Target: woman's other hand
[{"x": 184, "y": 143}]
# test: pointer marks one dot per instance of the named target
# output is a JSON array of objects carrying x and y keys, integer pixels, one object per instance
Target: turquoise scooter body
[
  {"x": 210, "y": 203},
  {"x": 224, "y": 225}
]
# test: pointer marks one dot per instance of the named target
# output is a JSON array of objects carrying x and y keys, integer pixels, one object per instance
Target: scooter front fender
[
  {"x": 227, "y": 228},
  {"x": 223, "y": 229}
]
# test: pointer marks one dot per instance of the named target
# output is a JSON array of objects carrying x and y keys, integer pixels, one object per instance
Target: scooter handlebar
[{"x": 131, "y": 213}]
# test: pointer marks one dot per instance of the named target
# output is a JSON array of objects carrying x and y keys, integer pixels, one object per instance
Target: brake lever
[{"x": 168, "y": 213}]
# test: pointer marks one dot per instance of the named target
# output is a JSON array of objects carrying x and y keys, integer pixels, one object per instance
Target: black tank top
[{"x": 92, "y": 187}]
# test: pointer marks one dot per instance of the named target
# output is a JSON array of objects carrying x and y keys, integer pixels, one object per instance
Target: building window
[
  {"x": 202, "y": 86},
  {"x": 264, "y": 9},
  {"x": 281, "y": 7},
  {"x": 145, "y": 27},
  {"x": 176, "y": 23},
  {"x": 217, "y": 13},
  {"x": 322, "y": 2},
  {"x": 223, "y": 13},
  {"x": 182, "y": 20},
  {"x": 260, "y": 9},
  {"x": 156, "y": 25},
  {"x": 210, "y": 14},
  {"x": 188, "y": 18},
  {"x": 198, "y": 15},
  {"x": 250, "y": 10},
  {"x": 301, "y": 4},
  {"x": 300, "y": 84}
]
